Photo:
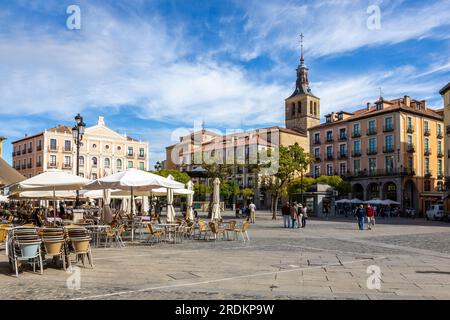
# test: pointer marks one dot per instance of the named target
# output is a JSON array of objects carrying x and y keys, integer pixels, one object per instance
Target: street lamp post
[
  {"x": 158, "y": 166},
  {"x": 77, "y": 133}
]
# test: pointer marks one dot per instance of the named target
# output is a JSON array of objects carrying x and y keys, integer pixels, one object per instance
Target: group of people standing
[
  {"x": 294, "y": 215},
  {"x": 362, "y": 213}
]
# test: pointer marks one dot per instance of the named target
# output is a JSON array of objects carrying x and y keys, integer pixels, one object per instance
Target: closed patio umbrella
[
  {"x": 170, "y": 208},
  {"x": 216, "y": 201},
  {"x": 190, "y": 201}
]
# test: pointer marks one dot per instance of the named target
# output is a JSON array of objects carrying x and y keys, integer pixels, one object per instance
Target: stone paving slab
[{"x": 326, "y": 260}]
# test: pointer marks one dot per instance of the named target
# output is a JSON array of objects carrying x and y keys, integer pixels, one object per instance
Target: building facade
[
  {"x": 1, "y": 146},
  {"x": 302, "y": 111},
  {"x": 393, "y": 149},
  {"x": 103, "y": 151},
  {"x": 445, "y": 92}
]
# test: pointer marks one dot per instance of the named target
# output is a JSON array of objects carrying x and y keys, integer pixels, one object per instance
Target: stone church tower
[{"x": 302, "y": 108}]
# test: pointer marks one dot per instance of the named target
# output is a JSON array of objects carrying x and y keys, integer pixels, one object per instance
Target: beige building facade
[
  {"x": 393, "y": 149},
  {"x": 103, "y": 151},
  {"x": 445, "y": 93}
]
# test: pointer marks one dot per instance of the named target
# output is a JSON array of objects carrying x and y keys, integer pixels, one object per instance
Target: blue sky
[{"x": 153, "y": 68}]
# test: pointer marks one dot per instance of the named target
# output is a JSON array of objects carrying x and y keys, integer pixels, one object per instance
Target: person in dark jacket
[
  {"x": 360, "y": 215},
  {"x": 285, "y": 211}
]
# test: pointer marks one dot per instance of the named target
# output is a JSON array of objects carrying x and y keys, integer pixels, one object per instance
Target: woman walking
[{"x": 294, "y": 215}]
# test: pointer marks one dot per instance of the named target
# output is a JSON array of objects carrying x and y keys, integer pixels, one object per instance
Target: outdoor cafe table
[
  {"x": 168, "y": 227},
  {"x": 96, "y": 230}
]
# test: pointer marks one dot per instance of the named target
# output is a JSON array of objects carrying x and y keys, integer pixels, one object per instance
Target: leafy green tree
[
  {"x": 299, "y": 185},
  {"x": 200, "y": 191},
  {"x": 247, "y": 193},
  {"x": 340, "y": 185},
  {"x": 179, "y": 176},
  {"x": 292, "y": 162},
  {"x": 229, "y": 189}
]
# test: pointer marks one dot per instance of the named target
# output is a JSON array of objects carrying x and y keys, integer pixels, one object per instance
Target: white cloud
[{"x": 334, "y": 27}]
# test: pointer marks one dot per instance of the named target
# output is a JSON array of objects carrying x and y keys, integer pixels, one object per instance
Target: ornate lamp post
[
  {"x": 77, "y": 133},
  {"x": 158, "y": 166}
]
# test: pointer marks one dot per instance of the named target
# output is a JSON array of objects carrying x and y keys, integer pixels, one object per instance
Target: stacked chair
[
  {"x": 24, "y": 246},
  {"x": 79, "y": 240},
  {"x": 55, "y": 245}
]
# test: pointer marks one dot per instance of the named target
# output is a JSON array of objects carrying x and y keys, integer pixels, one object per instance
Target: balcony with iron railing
[
  {"x": 388, "y": 128},
  {"x": 330, "y": 157},
  {"x": 24, "y": 166},
  {"x": 388, "y": 171},
  {"x": 388, "y": 149},
  {"x": 317, "y": 158},
  {"x": 356, "y": 134},
  {"x": 410, "y": 148},
  {"x": 427, "y": 152},
  {"x": 38, "y": 164},
  {"x": 427, "y": 174},
  {"x": 38, "y": 148},
  {"x": 440, "y": 175},
  {"x": 329, "y": 139},
  {"x": 52, "y": 164},
  {"x": 426, "y": 132},
  {"x": 67, "y": 149},
  {"x": 29, "y": 165},
  {"x": 342, "y": 156},
  {"x": 67, "y": 165},
  {"x": 410, "y": 129},
  {"x": 342, "y": 137},
  {"x": 440, "y": 154},
  {"x": 371, "y": 131},
  {"x": 24, "y": 151},
  {"x": 356, "y": 153},
  {"x": 440, "y": 135},
  {"x": 17, "y": 167},
  {"x": 30, "y": 150},
  {"x": 130, "y": 155},
  {"x": 371, "y": 151},
  {"x": 142, "y": 155},
  {"x": 52, "y": 148},
  {"x": 316, "y": 141}
]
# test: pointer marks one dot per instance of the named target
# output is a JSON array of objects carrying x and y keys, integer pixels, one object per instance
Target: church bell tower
[{"x": 302, "y": 108}]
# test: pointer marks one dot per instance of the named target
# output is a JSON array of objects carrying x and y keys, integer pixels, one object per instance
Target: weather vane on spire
[{"x": 301, "y": 44}]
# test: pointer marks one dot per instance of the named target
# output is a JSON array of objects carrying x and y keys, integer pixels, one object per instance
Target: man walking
[
  {"x": 293, "y": 211},
  {"x": 252, "y": 208},
  {"x": 360, "y": 212},
  {"x": 285, "y": 211},
  {"x": 304, "y": 216},
  {"x": 300, "y": 216},
  {"x": 370, "y": 217}
]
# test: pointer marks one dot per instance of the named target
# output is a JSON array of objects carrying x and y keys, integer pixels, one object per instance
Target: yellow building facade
[{"x": 445, "y": 92}]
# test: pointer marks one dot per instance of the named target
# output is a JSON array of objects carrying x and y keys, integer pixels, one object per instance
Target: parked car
[{"x": 435, "y": 212}]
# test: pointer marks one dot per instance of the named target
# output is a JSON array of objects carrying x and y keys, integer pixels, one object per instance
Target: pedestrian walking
[
  {"x": 285, "y": 211},
  {"x": 300, "y": 216},
  {"x": 370, "y": 217},
  {"x": 304, "y": 216},
  {"x": 293, "y": 212},
  {"x": 252, "y": 209},
  {"x": 360, "y": 213}
]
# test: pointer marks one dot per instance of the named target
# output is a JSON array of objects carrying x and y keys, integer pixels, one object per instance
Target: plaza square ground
[{"x": 326, "y": 260}]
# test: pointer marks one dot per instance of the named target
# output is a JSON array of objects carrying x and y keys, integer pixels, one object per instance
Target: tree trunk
[{"x": 274, "y": 206}]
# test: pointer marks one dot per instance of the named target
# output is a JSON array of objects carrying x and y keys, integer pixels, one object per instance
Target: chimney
[
  {"x": 368, "y": 105},
  {"x": 407, "y": 101}
]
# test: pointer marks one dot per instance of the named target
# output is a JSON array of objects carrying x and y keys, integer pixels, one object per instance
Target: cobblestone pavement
[{"x": 326, "y": 260}]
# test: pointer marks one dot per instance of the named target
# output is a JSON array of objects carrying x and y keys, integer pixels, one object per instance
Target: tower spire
[{"x": 302, "y": 59}]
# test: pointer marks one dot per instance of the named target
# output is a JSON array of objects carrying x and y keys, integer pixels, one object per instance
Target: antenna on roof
[{"x": 381, "y": 96}]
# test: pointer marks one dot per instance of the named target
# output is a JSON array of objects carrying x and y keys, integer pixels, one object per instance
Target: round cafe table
[{"x": 169, "y": 228}]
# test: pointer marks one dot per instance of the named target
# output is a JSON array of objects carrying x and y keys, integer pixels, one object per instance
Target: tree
[
  {"x": 229, "y": 189},
  {"x": 247, "y": 193},
  {"x": 200, "y": 191},
  {"x": 299, "y": 185},
  {"x": 292, "y": 161},
  {"x": 179, "y": 176},
  {"x": 340, "y": 185}
]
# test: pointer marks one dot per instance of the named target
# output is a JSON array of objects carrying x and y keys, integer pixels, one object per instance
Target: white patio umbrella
[
  {"x": 356, "y": 201},
  {"x": 216, "y": 200},
  {"x": 170, "y": 208},
  {"x": 145, "y": 204},
  {"x": 374, "y": 202},
  {"x": 190, "y": 201},
  {"x": 342, "y": 201},
  {"x": 52, "y": 180},
  {"x": 163, "y": 192},
  {"x": 4, "y": 198},
  {"x": 133, "y": 180},
  {"x": 106, "y": 209},
  {"x": 389, "y": 202}
]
